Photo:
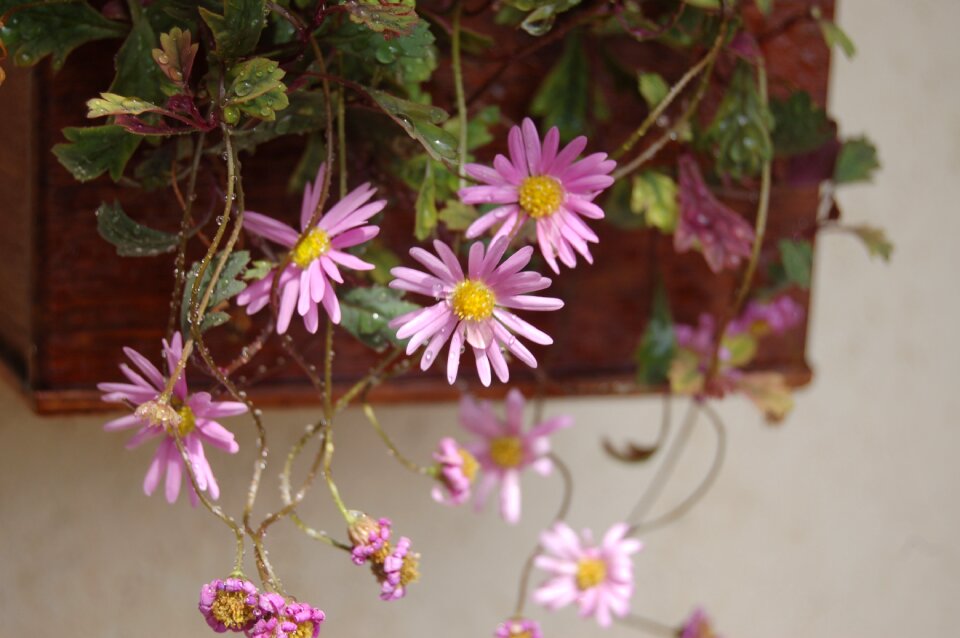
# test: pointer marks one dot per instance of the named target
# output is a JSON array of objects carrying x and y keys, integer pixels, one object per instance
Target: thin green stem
[
  {"x": 179, "y": 264},
  {"x": 456, "y": 63},
  {"x": 392, "y": 447}
]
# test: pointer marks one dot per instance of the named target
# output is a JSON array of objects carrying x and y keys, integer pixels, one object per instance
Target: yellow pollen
[
  {"x": 540, "y": 196},
  {"x": 231, "y": 608},
  {"x": 303, "y": 631},
  {"x": 521, "y": 634},
  {"x": 409, "y": 573},
  {"x": 507, "y": 451},
  {"x": 590, "y": 573},
  {"x": 473, "y": 300},
  {"x": 187, "y": 421},
  {"x": 470, "y": 465},
  {"x": 313, "y": 245}
]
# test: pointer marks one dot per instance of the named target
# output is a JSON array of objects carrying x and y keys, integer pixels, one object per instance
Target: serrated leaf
[
  {"x": 652, "y": 87},
  {"x": 654, "y": 195},
  {"x": 95, "y": 150},
  {"x": 255, "y": 87},
  {"x": 801, "y": 125},
  {"x": 420, "y": 122},
  {"x": 258, "y": 270},
  {"x": 563, "y": 96},
  {"x": 875, "y": 240},
  {"x": 458, "y": 216},
  {"x": 227, "y": 286},
  {"x": 740, "y": 131},
  {"x": 542, "y": 14},
  {"x": 392, "y": 17},
  {"x": 426, "y": 206},
  {"x": 137, "y": 75},
  {"x": 365, "y": 313},
  {"x": 55, "y": 29},
  {"x": 130, "y": 238},
  {"x": 797, "y": 259},
  {"x": 837, "y": 37},
  {"x": 237, "y": 31},
  {"x": 407, "y": 60},
  {"x": 175, "y": 55},
  {"x": 856, "y": 161},
  {"x": 659, "y": 343},
  {"x": 113, "y": 104}
]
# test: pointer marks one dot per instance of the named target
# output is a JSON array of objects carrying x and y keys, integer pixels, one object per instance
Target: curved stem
[
  {"x": 458, "y": 87},
  {"x": 561, "y": 515},
  {"x": 708, "y": 481},
  {"x": 391, "y": 446},
  {"x": 665, "y": 471}
]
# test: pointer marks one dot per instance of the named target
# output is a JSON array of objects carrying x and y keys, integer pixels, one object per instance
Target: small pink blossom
[
  {"x": 721, "y": 235},
  {"x": 398, "y": 570},
  {"x": 544, "y": 183},
  {"x": 192, "y": 416},
  {"x": 307, "y": 281},
  {"x": 698, "y": 626},
  {"x": 505, "y": 450},
  {"x": 230, "y": 605},
  {"x": 280, "y": 619},
  {"x": 473, "y": 309},
  {"x": 394, "y": 566},
  {"x": 599, "y": 578},
  {"x": 457, "y": 469},
  {"x": 775, "y": 316},
  {"x": 368, "y": 537},
  {"x": 518, "y": 628}
]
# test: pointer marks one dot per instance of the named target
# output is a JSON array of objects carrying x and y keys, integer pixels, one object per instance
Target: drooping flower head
[
  {"x": 773, "y": 317},
  {"x": 230, "y": 605},
  {"x": 307, "y": 281},
  {"x": 546, "y": 184},
  {"x": 456, "y": 471},
  {"x": 282, "y": 619},
  {"x": 518, "y": 628},
  {"x": 192, "y": 417},
  {"x": 722, "y": 235},
  {"x": 504, "y": 450},
  {"x": 599, "y": 578},
  {"x": 473, "y": 308},
  {"x": 698, "y": 626},
  {"x": 394, "y": 566}
]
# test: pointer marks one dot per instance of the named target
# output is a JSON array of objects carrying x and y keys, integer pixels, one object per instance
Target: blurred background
[{"x": 840, "y": 522}]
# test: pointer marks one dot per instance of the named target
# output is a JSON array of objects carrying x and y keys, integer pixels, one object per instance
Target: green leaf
[
  {"x": 305, "y": 113},
  {"x": 395, "y": 18},
  {"x": 383, "y": 259},
  {"x": 420, "y": 122},
  {"x": 659, "y": 344},
  {"x": 741, "y": 348},
  {"x": 407, "y": 60},
  {"x": 137, "y": 73},
  {"x": 875, "y": 240},
  {"x": 685, "y": 374},
  {"x": 769, "y": 392},
  {"x": 255, "y": 87},
  {"x": 797, "y": 259},
  {"x": 740, "y": 131},
  {"x": 837, "y": 37},
  {"x": 654, "y": 195},
  {"x": 652, "y": 87},
  {"x": 365, "y": 313},
  {"x": 426, "y": 206},
  {"x": 96, "y": 149},
  {"x": 130, "y": 238},
  {"x": 856, "y": 161},
  {"x": 227, "y": 286},
  {"x": 258, "y": 270},
  {"x": 563, "y": 96},
  {"x": 704, "y": 4},
  {"x": 458, "y": 216},
  {"x": 175, "y": 55},
  {"x": 542, "y": 14},
  {"x": 113, "y": 104},
  {"x": 801, "y": 125},
  {"x": 237, "y": 31},
  {"x": 55, "y": 29},
  {"x": 765, "y": 6},
  {"x": 617, "y": 207}
]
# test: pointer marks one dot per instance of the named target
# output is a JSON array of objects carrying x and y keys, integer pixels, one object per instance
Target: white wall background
[{"x": 841, "y": 523}]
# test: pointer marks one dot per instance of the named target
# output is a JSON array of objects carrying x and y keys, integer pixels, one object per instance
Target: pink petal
[
  {"x": 566, "y": 156},
  {"x": 311, "y": 197},
  {"x": 434, "y": 265},
  {"x": 304, "y": 301},
  {"x": 148, "y": 369},
  {"x": 349, "y": 261},
  {"x": 453, "y": 355},
  {"x": 510, "y": 497},
  {"x": 270, "y": 228},
  {"x": 484, "y": 174},
  {"x": 531, "y": 143},
  {"x": 332, "y": 305},
  {"x": 550, "y": 145},
  {"x": 497, "y": 361},
  {"x": 288, "y": 302},
  {"x": 318, "y": 283},
  {"x": 522, "y": 328},
  {"x": 174, "y": 468},
  {"x": 505, "y": 194},
  {"x": 531, "y": 302},
  {"x": 518, "y": 155},
  {"x": 513, "y": 344},
  {"x": 354, "y": 237},
  {"x": 152, "y": 478},
  {"x": 449, "y": 259},
  {"x": 514, "y": 408},
  {"x": 483, "y": 365},
  {"x": 331, "y": 269}
]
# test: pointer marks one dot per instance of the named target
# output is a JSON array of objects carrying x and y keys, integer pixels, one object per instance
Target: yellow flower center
[
  {"x": 473, "y": 300},
  {"x": 410, "y": 573},
  {"x": 313, "y": 245},
  {"x": 590, "y": 573},
  {"x": 303, "y": 631},
  {"x": 470, "y": 465},
  {"x": 507, "y": 451},
  {"x": 231, "y": 608},
  {"x": 540, "y": 196},
  {"x": 187, "y": 421}
]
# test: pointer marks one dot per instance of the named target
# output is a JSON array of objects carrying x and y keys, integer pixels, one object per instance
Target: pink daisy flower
[
  {"x": 505, "y": 450},
  {"x": 395, "y": 567},
  {"x": 698, "y": 626},
  {"x": 456, "y": 470},
  {"x": 541, "y": 183},
  {"x": 306, "y": 281},
  {"x": 230, "y": 605},
  {"x": 599, "y": 578},
  {"x": 518, "y": 628},
  {"x": 473, "y": 309},
  {"x": 369, "y": 537},
  {"x": 193, "y": 416}
]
